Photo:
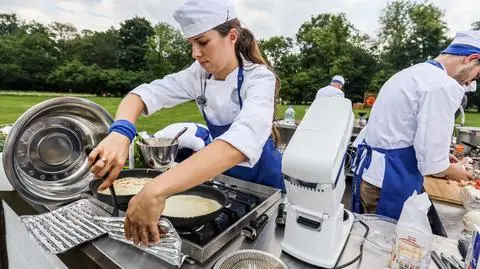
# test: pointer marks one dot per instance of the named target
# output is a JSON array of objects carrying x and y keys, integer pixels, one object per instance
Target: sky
[{"x": 266, "y": 18}]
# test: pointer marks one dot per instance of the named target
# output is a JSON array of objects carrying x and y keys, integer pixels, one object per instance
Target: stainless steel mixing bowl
[{"x": 158, "y": 154}]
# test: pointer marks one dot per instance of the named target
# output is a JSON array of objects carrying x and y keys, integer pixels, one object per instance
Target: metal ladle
[{"x": 178, "y": 135}]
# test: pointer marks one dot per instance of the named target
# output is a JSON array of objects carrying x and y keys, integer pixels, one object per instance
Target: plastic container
[
  {"x": 290, "y": 115},
  {"x": 413, "y": 236}
]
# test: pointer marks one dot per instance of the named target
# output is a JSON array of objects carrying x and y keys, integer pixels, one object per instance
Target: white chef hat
[
  {"x": 465, "y": 43},
  {"x": 198, "y": 16},
  {"x": 338, "y": 79}
]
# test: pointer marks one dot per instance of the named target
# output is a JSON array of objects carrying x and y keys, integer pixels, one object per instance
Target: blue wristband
[{"x": 124, "y": 127}]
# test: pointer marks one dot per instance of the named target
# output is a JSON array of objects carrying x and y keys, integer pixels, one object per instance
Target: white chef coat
[
  {"x": 414, "y": 107},
  {"x": 330, "y": 91},
  {"x": 250, "y": 127},
  {"x": 187, "y": 139}
]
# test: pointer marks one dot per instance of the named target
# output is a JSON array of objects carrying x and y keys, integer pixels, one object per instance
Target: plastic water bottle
[{"x": 290, "y": 115}]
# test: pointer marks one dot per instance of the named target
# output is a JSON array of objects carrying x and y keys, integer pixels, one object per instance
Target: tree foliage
[
  {"x": 59, "y": 57},
  {"x": 132, "y": 43}
]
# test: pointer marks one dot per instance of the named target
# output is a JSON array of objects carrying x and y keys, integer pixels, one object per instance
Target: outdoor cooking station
[
  {"x": 108, "y": 253},
  {"x": 247, "y": 203}
]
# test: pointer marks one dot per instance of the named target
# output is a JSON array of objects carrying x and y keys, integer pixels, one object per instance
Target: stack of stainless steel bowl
[{"x": 45, "y": 156}]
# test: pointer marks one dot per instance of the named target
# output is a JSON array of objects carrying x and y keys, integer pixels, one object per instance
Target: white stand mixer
[{"x": 317, "y": 225}]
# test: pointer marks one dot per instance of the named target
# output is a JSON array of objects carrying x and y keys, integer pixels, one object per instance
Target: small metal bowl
[
  {"x": 250, "y": 259},
  {"x": 158, "y": 154}
]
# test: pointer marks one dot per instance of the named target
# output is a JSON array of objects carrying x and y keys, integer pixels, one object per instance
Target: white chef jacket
[
  {"x": 330, "y": 91},
  {"x": 414, "y": 107},
  {"x": 250, "y": 127}
]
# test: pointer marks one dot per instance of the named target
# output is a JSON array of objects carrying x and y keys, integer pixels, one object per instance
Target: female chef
[{"x": 235, "y": 91}]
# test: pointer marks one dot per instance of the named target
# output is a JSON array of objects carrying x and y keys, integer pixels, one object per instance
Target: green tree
[
  {"x": 410, "y": 33},
  {"x": 9, "y": 24},
  {"x": 132, "y": 43},
  {"x": 11, "y": 72},
  {"x": 279, "y": 53},
  {"x": 74, "y": 76},
  {"x": 62, "y": 33},
  {"x": 168, "y": 50},
  {"x": 96, "y": 48},
  {"x": 28, "y": 56},
  {"x": 276, "y": 49},
  {"x": 330, "y": 45}
]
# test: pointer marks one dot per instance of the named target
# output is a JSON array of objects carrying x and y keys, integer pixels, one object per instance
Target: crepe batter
[
  {"x": 127, "y": 186},
  {"x": 186, "y": 206}
]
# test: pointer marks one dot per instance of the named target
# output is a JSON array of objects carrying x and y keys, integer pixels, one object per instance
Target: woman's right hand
[
  {"x": 457, "y": 171},
  {"x": 109, "y": 157}
]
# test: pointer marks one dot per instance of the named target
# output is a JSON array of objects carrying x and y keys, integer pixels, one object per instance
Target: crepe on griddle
[
  {"x": 127, "y": 186},
  {"x": 189, "y": 206}
]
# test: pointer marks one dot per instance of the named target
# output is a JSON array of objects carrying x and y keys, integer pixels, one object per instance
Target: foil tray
[
  {"x": 169, "y": 249},
  {"x": 66, "y": 227}
]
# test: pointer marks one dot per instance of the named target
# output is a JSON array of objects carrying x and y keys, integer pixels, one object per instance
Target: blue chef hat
[{"x": 465, "y": 43}]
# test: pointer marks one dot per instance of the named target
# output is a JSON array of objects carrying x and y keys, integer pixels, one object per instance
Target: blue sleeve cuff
[{"x": 125, "y": 128}]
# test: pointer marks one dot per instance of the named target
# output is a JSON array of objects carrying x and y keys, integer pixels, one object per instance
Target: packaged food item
[{"x": 413, "y": 235}]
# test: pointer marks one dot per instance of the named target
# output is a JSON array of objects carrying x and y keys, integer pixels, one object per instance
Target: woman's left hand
[{"x": 144, "y": 211}]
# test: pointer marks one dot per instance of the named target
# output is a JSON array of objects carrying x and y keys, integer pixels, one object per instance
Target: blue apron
[
  {"x": 268, "y": 170},
  {"x": 400, "y": 180}
]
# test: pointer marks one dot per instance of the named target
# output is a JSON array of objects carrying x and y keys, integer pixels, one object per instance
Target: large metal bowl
[
  {"x": 250, "y": 259},
  {"x": 45, "y": 156},
  {"x": 158, "y": 153}
]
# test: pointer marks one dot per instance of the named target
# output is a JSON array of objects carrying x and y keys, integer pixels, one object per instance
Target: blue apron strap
[
  {"x": 359, "y": 167},
  {"x": 240, "y": 77},
  {"x": 204, "y": 100},
  {"x": 435, "y": 63},
  {"x": 361, "y": 163},
  {"x": 239, "y": 84}
]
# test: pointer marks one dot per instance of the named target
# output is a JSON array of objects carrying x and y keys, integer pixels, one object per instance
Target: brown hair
[{"x": 247, "y": 47}]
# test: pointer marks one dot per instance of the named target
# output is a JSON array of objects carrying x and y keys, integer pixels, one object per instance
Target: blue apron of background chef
[
  {"x": 400, "y": 180},
  {"x": 268, "y": 170}
]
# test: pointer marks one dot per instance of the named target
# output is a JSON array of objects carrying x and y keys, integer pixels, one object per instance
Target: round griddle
[
  {"x": 122, "y": 199},
  {"x": 204, "y": 191}
]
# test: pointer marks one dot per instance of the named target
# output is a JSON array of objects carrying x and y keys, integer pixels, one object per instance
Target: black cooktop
[{"x": 238, "y": 205}]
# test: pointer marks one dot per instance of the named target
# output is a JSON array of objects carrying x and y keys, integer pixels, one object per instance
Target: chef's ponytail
[{"x": 247, "y": 47}]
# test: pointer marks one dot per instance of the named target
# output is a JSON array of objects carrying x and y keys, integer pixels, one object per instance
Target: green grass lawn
[{"x": 12, "y": 106}]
